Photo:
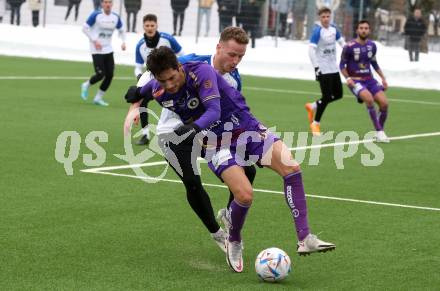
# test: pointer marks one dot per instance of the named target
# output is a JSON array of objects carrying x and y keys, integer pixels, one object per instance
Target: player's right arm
[
  {"x": 345, "y": 57},
  {"x": 313, "y": 47},
  {"x": 88, "y": 32},
  {"x": 139, "y": 62},
  {"x": 135, "y": 95}
]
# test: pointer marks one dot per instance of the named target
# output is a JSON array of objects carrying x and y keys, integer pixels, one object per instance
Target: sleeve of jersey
[
  {"x": 210, "y": 97},
  {"x": 238, "y": 79},
  {"x": 139, "y": 58},
  {"x": 339, "y": 38},
  {"x": 144, "y": 92},
  {"x": 314, "y": 39},
  {"x": 374, "y": 59},
  {"x": 312, "y": 55},
  {"x": 120, "y": 28},
  {"x": 344, "y": 58},
  {"x": 176, "y": 47},
  {"x": 86, "y": 30},
  {"x": 92, "y": 19}
]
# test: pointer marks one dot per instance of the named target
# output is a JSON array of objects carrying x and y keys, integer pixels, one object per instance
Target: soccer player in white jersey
[
  {"x": 229, "y": 52},
  {"x": 322, "y": 53},
  {"x": 152, "y": 39},
  {"x": 99, "y": 29}
]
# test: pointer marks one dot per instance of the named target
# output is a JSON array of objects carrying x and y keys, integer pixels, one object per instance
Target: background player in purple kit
[
  {"x": 209, "y": 106},
  {"x": 357, "y": 58}
]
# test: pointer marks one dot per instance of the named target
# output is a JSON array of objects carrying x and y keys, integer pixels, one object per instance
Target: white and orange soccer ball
[{"x": 272, "y": 265}]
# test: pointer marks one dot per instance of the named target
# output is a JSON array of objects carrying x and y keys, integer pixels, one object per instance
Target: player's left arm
[
  {"x": 377, "y": 68},
  {"x": 176, "y": 47},
  {"x": 121, "y": 31},
  {"x": 339, "y": 39}
]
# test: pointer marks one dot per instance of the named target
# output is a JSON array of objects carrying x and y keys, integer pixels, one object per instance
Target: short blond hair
[{"x": 235, "y": 33}]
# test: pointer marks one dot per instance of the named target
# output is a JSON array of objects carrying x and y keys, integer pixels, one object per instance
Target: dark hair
[
  {"x": 161, "y": 59},
  {"x": 324, "y": 10},
  {"x": 362, "y": 22},
  {"x": 150, "y": 17},
  {"x": 235, "y": 33}
]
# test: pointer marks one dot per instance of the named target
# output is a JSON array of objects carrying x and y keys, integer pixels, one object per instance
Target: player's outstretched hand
[
  {"x": 132, "y": 117},
  {"x": 123, "y": 46}
]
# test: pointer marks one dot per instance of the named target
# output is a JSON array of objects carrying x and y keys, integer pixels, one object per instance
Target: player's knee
[
  {"x": 337, "y": 96},
  {"x": 250, "y": 173},
  {"x": 109, "y": 75},
  {"x": 290, "y": 169},
  {"x": 383, "y": 106},
  {"x": 369, "y": 102},
  {"x": 244, "y": 195},
  {"x": 192, "y": 184},
  {"x": 99, "y": 76}
]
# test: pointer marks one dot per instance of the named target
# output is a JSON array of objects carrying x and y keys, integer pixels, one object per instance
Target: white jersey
[
  {"x": 323, "y": 48},
  {"x": 142, "y": 50},
  {"x": 99, "y": 27}
]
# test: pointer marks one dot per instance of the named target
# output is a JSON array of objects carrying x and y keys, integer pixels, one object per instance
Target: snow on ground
[{"x": 288, "y": 60}]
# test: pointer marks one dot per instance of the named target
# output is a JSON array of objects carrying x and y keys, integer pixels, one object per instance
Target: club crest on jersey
[
  {"x": 207, "y": 84},
  {"x": 193, "y": 103},
  {"x": 158, "y": 92},
  {"x": 168, "y": 103}
]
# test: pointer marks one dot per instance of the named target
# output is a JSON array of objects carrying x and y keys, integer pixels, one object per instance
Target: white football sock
[{"x": 99, "y": 95}]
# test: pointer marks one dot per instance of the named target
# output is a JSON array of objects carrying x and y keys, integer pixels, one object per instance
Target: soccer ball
[{"x": 272, "y": 264}]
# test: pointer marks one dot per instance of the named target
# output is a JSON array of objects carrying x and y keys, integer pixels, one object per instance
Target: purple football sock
[
  {"x": 373, "y": 116},
  {"x": 238, "y": 215},
  {"x": 383, "y": 117},
  {"x": 296, "y": 200}
]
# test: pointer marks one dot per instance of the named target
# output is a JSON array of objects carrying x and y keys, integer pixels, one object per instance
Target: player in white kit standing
[
  {"x": 99, "y": 29},
  {"x": 322, "y": 53}
]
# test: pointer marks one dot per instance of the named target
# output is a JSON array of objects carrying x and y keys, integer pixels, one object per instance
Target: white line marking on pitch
[
  {"x": 275, "y": 192},
  {"x": 318, "y": 94},
  {"x": 437, "y": 133},
  {"x": 325, "y": 145},
  {"x": 245, "y": 87}
]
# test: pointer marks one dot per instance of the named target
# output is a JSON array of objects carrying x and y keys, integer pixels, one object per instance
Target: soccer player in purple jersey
[
  {"x": 209, "y": 106},
  {"x": 358, "y": 56}
]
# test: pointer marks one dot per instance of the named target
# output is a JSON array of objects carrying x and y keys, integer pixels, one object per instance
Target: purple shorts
[
  {"x": 370, "y": 84},
  {"x": 246, "y": 150}
]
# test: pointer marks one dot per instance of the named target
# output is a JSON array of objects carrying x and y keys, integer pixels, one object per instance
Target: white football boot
[
  {"x": 382, "y": 137},
  {"x": 234, "y": 255},
  {"x": 220, "y": 238},
  {"x": 312, "y": 244}
]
